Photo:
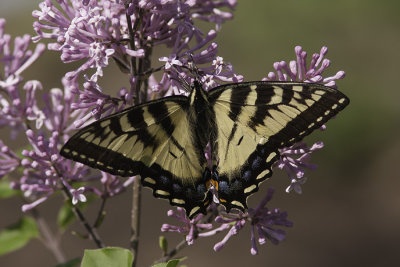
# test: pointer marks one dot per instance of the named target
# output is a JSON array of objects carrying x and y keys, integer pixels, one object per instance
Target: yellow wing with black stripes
[
  {"x": 254, "y": 120},
  {"x": 245, "y": 123},
  {"x": 154, "y": 140}
]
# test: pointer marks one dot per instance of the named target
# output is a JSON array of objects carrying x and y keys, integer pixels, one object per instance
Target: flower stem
[
  {"x": 135, "y": 219},
  {"x": 181, "y": 245},
  {"x": 100, "y": 214},
  {"x": 47, "y": 237},
  {"x": 137, "y": 187},
  {"x": 78, "y": 213}
]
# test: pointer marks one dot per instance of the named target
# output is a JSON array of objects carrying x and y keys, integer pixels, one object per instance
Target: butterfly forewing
[
  {"x": 255, "y": 119},
  {"x": 153, "y": 140}
]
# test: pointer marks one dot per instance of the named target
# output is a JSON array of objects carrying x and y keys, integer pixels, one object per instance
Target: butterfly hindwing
[
  {"x": 254, "y": 120},
  {"x": 153, "y": 140}
]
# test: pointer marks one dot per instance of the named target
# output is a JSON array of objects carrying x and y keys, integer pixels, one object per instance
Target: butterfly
[{"x": 244, "y": 125}]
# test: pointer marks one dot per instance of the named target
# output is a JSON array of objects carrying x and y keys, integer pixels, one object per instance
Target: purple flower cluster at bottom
[{"x": 262, "y": 221}]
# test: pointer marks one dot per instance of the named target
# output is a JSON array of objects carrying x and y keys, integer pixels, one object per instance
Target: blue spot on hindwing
[
  {"x": 201, "y": 189},
  {"x": 177, "y": 188},
  {"x": 256, "y": 163},
  {"x": 223, "y": 187},
  {"x": 164, "y": 180},
  {"x": 246, "y": 175}
]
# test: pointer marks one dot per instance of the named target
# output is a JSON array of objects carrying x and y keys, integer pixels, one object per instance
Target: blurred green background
[{"x": 348, "y": 214}]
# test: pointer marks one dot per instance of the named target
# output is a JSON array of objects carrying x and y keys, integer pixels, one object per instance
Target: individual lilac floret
[
  {"x": 262, "y": 222},
  {"x": 190, "y": 228},
  {"x": 298, "y": 70},
  {"x": 219, "y": 73},
  {"x": 77, "y": 195},
  {"x": 295, "y": 167},
  {"x": 235, "y": 222}
]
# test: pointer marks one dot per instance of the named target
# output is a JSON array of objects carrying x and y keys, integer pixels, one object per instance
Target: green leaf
[
  {"x": 65, "y": 215},
  {"x": 170, "y": 263},
  {"x": 17, "y": 235},
  {"x": 162, "y": 241},
  {"x": 107, "y": 257},
  {"x": 5, "y": 190},
  {"x": 70, "y": 263}
]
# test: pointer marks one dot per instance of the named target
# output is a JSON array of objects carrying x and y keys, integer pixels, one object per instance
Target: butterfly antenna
[
  {"x": 193, "y": 68},
  {"x": 181, "y": 80}
]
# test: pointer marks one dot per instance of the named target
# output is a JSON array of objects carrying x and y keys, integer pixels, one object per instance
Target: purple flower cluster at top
[
  {"x": 297, "y": 70},
  {"x": 302, "y": 71},
  {"x": 95, "y": 31}
]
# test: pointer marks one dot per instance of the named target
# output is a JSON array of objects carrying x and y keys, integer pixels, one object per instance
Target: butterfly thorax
[{"x": 201, "y": 115}]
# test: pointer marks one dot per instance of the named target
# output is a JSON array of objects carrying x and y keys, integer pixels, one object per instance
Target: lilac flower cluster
[
  {"x": 298, "y": 70},
  {"x": 14, "y": 59},
  {"x": 95, "y": 31},
  {"x": 295, "y": 167},
  {"x": 46, "y": 129},
  {"x": 261, "y": 219}
]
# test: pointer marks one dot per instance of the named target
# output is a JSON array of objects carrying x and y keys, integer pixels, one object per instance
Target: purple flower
[
  {"x": 9, "y": 161},
  {"x": 77, "y": 195},
  {"x": 191, "y": 228},
  {"x": 263, "y": 221},
  {"x": 94, "y": 101},
  {"x": 40, "y": 178},
  {"x": 82, "y": 32},
  {"x": 235, "y": 222},
  {"x": 170, "y": 61},
  {"x": 14, "y": 60},
  {"x": 297, "y": 70},
  {"x": 95, "y": 30},
  {"x": 113, "y": 185},
  {"x": 294, "y": 167},
  {"x": 17, "y": 58}
]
